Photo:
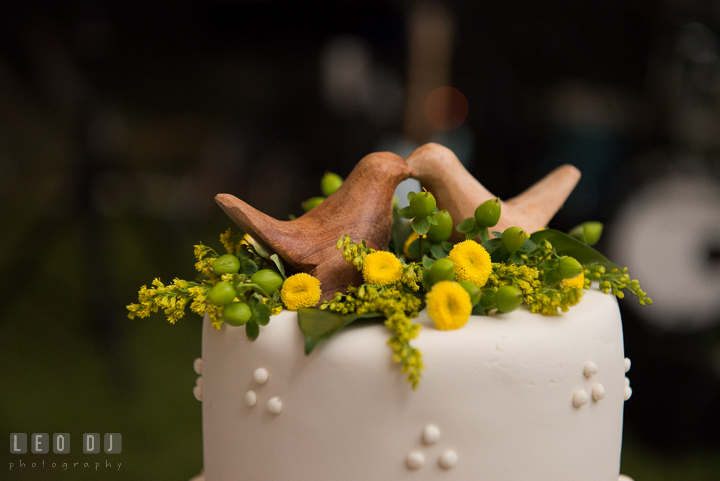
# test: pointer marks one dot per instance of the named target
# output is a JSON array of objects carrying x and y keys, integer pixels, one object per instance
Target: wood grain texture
[
  {"x": 361, "y": 207},
  {"x": 455, "y": 189}
]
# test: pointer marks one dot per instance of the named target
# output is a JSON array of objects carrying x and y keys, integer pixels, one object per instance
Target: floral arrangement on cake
[{"x": 429, "y": 260}]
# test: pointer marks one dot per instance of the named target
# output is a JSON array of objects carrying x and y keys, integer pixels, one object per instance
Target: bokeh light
[{"x": 446, "y": 108}]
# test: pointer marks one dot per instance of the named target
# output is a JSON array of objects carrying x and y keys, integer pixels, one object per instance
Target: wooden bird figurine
[
  {"x": 455, "y": 189},
  {"x": 361, "y": 208}
]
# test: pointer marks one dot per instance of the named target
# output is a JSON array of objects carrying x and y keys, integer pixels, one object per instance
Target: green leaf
[
  {"x": 421, "y": 226},
  {"x": 276, "y": 259},
  {"x": 467, "y": 225},
  {"x": 497, "y": 234},
  {"x": 473, "y": 233},
  {"x": 438, "y": 251},
  {"x": 492, "y": 245},
  {"x": 406, "y": 213},
  {"x": 516, "y": 259},
  {"x": 499, "y": 254},
  {"x": 261, "y": 251},
  {"x": 484, "y": 235},
  {"x": 432, "y": 220},
  {"x": 318, "y": 326},
  {"x": 248, "y": 267},
  {"x": 478, "y": 310},
  {"x": 552, "y": 278},
  {"x": 528, "y": 246},
  {"x": 447, "y": 246},
  {"x": 549, "y": 265},
  {"x": 568, "y": 246},
  {"x": 261, "y": 314},
  {"x": 427, "y": 262},
  {"x": 252, "y": 330},
  {"x": 410, "y": 196}
]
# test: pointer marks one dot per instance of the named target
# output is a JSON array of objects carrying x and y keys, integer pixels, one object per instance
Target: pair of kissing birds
[{"x": 362, "y": 208}]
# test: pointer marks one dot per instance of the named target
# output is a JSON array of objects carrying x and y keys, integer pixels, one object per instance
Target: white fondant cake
[{"x": 509, "y": 397}]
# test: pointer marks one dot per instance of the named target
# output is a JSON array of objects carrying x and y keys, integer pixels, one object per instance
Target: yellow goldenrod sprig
[
  {"x": 398, "y": 305},
  {"x": 614, "y": 281},
  {"x": 547, "y": 300},
  {"x": 172, "y": 299}
]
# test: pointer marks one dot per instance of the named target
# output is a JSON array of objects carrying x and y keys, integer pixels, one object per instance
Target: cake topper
[
  {"x": 457, "y": 191},
  {"x": 361, "y": 208}
]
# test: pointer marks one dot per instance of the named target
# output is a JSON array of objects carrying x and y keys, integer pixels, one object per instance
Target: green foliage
[
  {"x": 220, "y": 289},
  {"x": 318, "y": 325}
]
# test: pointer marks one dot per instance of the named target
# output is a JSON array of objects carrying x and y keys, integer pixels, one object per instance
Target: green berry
[
  {"x": 236, "y": 313},
  {"x": 513, "y": 238},
  {"x": 226, "y": 264},
  {"x": 568, "y": 268},
  {"x": 311, "y": 203},
  {"x": 441, "y": 270},
  {"x": 488, "y": 213},
  {"x": 423, "y": 204},
  {"x": 593, "y": 231},
  {"x": 508, "y": 298},
  {"x": 473, "y": 289},
  {"x": 268, "y": 280},
  {"x": 222, "y": 293},
  {"x": 330, "y": 183},
  {"x": 440, "y": 232},
  {"x": 588, "y": 232}
]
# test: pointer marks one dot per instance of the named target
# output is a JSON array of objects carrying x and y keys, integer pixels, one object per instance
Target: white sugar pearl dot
[
  {"x": 590, "y": 369},
  {"x": 431, "y": 435},
  {"x": 260, "y": 375},
  {"x": 449, "y": 459},
  {"x": 580, "y": 398},
  {"x": 197, "y": 366},
  {"x": 622, "y": 477},
  {"x": 627, "y": 382},
  {"x": 598, "y": 392},
  {"x": 627, "y": 364},
  {"x": 198, "y": 382},
  {"x": 197, "y": 391},
  {"x": 628, "y": 392},
  {"x": 274, "y": 405},
  {"x": 415, "y": 460},
  {"x": 250, "y": 398}
]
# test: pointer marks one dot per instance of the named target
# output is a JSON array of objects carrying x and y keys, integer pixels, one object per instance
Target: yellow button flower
[
  {"x": 300, "y": 290},
  {"x": 381, "y": 268},
  {"x": 472, "y": 262},
  {"x": 449, "y": 305}
]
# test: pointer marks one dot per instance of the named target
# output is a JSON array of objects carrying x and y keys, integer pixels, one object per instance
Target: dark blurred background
[{"x": 120, "y": 121}]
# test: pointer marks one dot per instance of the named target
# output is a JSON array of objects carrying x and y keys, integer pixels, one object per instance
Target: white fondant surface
[{"x": 501, "y": 389}]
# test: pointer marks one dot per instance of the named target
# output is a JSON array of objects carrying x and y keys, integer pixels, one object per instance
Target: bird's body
[
  {"x": 456, "y": 190},
  {"x": 361, "y": 208}
]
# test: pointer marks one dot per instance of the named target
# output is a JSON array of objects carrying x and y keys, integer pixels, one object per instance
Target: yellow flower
[
  {"x": 300, "y": 290},
  {"x": 382, "y": 268},
  {"x": 577, "y": 281},
  {"x": 449, "y": 305},
  {"x": 472, "y": 262}
]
